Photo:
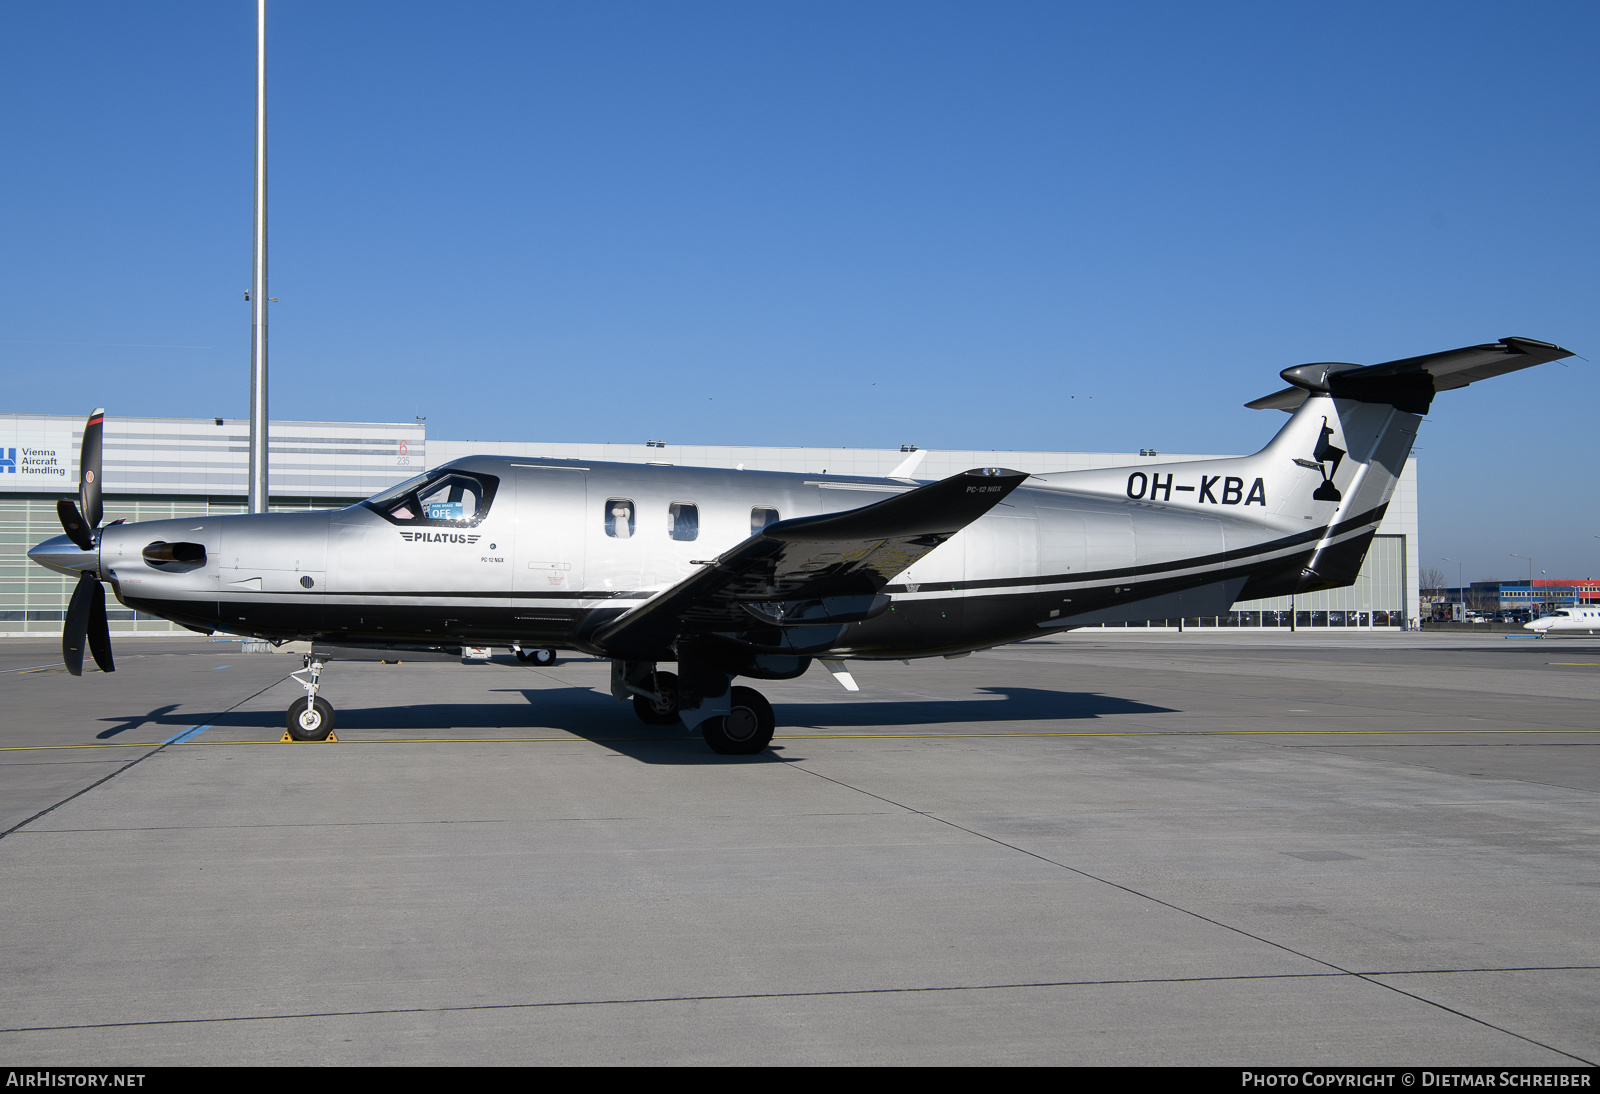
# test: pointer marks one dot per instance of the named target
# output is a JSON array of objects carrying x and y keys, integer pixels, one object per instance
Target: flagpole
[{"x": 258, "y": 283}]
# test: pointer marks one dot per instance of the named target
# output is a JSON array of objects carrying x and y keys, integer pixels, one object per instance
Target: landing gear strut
[
  {"x": 311, "y": 718},
  {"x": 734, "y": 721},
  {"x": 654, "y": 693},
  {"x": 661, "y": 707}
]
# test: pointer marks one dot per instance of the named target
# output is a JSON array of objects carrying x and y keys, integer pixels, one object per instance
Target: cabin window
[
  {"x": 619, "y": 518},
  {"x": 683, "y": 521},
  {"x": 760, "y": 517},
  {"x": 439, "y": 499}
]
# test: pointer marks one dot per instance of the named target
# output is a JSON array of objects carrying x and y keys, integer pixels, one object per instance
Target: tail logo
[{"x": 1325, "y": 452}]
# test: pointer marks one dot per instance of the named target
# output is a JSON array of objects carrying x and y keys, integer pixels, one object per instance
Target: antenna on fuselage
[{"x": 258, "y": 283}]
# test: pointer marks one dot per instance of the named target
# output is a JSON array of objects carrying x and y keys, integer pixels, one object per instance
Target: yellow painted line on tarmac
[
  {"x": 119, "y": 744},
  {"x": 575, "y": 739},
  {"x": 381, "y": 741},
  {"x": 1180, "y": 733},
  {"x": 1177, "y": 733}
]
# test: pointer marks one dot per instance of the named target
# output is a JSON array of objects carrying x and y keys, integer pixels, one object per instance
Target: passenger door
[{"x": 551, "y": 512}]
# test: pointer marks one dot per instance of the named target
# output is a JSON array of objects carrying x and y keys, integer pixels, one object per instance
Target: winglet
[{"x": 906, "y": 467}]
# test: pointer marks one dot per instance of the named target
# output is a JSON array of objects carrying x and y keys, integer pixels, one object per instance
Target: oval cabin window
[
  {"x": 683, "y": 521},
  {"x": 619, "y": 518}
]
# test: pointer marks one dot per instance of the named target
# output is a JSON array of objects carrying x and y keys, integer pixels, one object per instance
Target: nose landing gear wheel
[
  {"x": 746, "y": 729},
  {"x": 664, "y": 713},
  {"x": 310, "y": 725},
  {"x": 544, "y": 657}
]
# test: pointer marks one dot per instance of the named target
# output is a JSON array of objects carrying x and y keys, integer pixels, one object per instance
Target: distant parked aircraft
[{"x": 1566, "y": 621}]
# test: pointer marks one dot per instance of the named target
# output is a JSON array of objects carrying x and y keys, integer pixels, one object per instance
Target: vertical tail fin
[
  {"x": 1327, "y": 477},
  {"x": 1318, "y": 472},
  {"x": 1359, "y": 453},
  {"x": 1376, "y": 409}
]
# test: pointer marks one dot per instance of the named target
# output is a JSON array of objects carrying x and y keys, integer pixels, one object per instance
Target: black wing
[{"x": 809, "y": 572}]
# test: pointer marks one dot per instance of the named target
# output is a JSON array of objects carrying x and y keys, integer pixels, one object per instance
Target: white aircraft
[
  {"x": 755, "y": 574},
  {"x": 1578, "y": 620}
]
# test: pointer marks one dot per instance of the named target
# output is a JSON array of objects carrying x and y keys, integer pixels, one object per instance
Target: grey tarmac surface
[{"x": 1099, "y": 848}]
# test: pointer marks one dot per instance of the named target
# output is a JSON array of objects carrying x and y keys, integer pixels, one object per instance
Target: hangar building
[{"x": 157, "y": 468}]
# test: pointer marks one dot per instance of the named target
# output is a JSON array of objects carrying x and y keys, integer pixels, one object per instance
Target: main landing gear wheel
[
  {"x": 536, "y": 657},
  {"x": 664, "y": 713},
  {"x": 313, "y": 724},
  {"x": 746, "y": 729}
]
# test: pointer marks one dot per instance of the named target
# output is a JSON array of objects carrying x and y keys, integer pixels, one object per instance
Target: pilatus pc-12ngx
[{"x": 729, "y": 574}]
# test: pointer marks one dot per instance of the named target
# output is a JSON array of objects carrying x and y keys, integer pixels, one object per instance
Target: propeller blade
[
  {"x": 99, "y": 630},
  {"x": 76, "y": 625},
  {"x": 89, "y": 469},
  {"x": 74, "y": 525}
]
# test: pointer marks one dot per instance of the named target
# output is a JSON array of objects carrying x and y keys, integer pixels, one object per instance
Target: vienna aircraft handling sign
[{"x": 36, "y": 461}]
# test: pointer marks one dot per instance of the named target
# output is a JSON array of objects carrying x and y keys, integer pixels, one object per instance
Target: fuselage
[{"x": 545, "y": 552}]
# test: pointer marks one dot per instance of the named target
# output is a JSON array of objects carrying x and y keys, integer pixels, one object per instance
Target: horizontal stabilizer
[{"x": 1411, "y": 383}]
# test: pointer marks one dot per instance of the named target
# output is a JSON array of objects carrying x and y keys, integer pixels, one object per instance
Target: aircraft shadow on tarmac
[
  {"x": 158, "y": 716},
  {"x": 1001, "y": 705},
  {"x": 593, "y": 716}
]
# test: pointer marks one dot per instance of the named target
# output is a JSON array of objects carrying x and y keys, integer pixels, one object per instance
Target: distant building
[
  {"x": 159, "y": 468},
  {"x": 1540, "y": 596}
]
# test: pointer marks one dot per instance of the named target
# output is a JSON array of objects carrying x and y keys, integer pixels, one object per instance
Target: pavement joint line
[
  {"x": 185, "y": 737},
  {"x": 796, "y": 765},
  {"x": 124, "y": 767},
  {"x": 819, "y": 994}
]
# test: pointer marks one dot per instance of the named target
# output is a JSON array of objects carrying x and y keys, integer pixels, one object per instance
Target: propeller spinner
[{"x": 85, "y": 623}]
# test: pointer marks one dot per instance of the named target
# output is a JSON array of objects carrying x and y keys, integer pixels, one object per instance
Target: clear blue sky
[{"x": 1027, "y": 226}]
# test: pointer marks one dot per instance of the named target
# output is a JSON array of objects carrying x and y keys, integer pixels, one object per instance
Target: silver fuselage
[{"x": 542, "y": 567}]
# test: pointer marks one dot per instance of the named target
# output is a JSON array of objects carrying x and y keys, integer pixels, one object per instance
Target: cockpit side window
[{"x": 440, "y": 499}]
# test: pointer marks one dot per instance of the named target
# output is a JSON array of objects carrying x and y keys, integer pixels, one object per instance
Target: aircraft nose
[{"x": 65, "y": 557}]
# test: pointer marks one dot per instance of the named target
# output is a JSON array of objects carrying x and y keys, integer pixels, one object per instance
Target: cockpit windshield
[{"x": 441, "y": 498}]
